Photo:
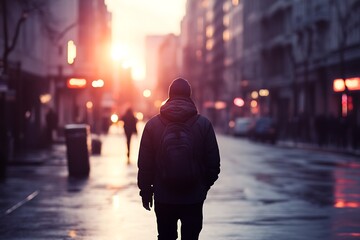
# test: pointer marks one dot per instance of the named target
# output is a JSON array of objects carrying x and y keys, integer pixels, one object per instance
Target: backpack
[{"x": 179, "y": 167}]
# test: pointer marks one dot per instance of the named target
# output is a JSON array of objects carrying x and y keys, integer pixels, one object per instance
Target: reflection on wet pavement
[
  {"x": 286, "y": 191},
  {"x": 263, "y": 193},
  {"x": 332, "y": 183}
]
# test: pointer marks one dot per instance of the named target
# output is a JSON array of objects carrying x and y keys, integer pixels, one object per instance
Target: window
[
  {"x": 226, "y": 35},
  {"x": 209, "y": 31},
  {"x": 226, "y": 6},
  {"x": 209, "y": 44},
  {"x": 226, "y": 20}
]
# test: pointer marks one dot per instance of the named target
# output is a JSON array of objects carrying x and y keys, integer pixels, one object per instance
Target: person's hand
[{"x": 147, "y": 202}]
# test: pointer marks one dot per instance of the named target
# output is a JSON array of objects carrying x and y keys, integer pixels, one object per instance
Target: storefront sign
[
  {"x": 352, "y": 84},
  {"x": 76, "y": 83}
]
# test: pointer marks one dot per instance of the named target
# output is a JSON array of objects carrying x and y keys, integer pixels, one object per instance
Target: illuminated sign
[
  {"x": 76, "y": 83},
  {"x": 352, "y": 84}
]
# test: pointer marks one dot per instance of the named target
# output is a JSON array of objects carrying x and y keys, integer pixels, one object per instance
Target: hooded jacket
[{"x": 177, "y": 109}]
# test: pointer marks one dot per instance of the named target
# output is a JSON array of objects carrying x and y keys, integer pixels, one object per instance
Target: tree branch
[{"x": 17, "y": 31}]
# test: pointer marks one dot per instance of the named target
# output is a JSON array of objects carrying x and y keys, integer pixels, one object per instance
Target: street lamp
[
  {"x": 147, "y": 93},
  {"x": 239, "y": 102},
  {"x": 98, "y": 83},
  {"x": 264, "y": 92}
]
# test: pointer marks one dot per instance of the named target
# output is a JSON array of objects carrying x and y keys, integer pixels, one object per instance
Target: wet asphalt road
[{"x": 264, "y": 192}]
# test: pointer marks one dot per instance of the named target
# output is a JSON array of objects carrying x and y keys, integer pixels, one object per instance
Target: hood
[{"x": 178, "y": 109}]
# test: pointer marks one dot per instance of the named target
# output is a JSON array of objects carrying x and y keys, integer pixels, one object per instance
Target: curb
[{"x": 312, "y": 147}]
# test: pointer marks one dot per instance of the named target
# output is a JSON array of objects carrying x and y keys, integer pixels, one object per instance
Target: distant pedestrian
[
  {"x": 321, "y": 126},
  {"x": 51, "y": 125},
  {"x": 178, "y": 163},
  {"x": 129, "y": 128}
]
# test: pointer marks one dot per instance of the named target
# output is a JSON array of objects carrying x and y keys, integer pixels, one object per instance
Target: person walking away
[
  {"x": 51, "y": 125},
  {"x": 129, "y": 128},
  {"x": 178, "y": 162}
]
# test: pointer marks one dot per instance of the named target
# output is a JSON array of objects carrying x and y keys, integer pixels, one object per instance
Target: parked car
[
  {"x": 264, "y": 130},
  {"x": 242, "y": 126}
]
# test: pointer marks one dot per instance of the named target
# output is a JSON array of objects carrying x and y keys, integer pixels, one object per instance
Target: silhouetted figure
[
  {"x": 321, "y": 129},
  {"x": 333, "y": 129},
  {"x": 129, "y": 127},
  {"x": 178, "y": 163},
  {"x": 51, "y": 125}
]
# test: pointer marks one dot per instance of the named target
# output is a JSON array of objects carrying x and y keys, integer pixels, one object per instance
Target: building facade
[
  {"x": 169, "y": 66},
  {"x": 35, "y": 69},
  {"x": 233, "y": 62},
  {"x": 295, "y": 61},
  {"x": 152, "y": 45},
  {"x": 193, "y": 46}
]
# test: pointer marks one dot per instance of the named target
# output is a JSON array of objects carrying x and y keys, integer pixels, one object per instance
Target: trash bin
[
  {"x": 95, "y": 144},
  {"x": 78, "y": 149}
]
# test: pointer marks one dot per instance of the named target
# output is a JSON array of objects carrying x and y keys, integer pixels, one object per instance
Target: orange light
[
  {"x": 89, "y": 105},
  {"x": 344, "y": 106},
  {"x": 209, "y": 31},
  {"x": 253, "y": 104},
  {"x": 147, "y": 93},
  {"x": 339, "y": 85},
  {"x": 71, "y": 52},
  {"x": 254, "y": 94},
  {"x": 114, "y": 118},
  {"x": 264, "y": 92},
  {"x": 209, "y": 44},
  {"x": 226, "y": 35},
  {"x": 345, "y": 204},
  {"x": 72, "y": 234},
  {"x": 350, "y": 104},
  {"x": 139, "y": 116},
  {"x": 239, "y": 102},
  {"x": 97, "y": 83},
  {"x": 220, "y": 105},
  {"x": 76, "y": 83},
  {"x": 353, "y": 83}
]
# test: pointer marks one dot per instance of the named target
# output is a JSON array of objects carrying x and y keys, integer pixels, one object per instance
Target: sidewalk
[
  {"x": 40, "y": 201},
  {"x": 316, "y": 147},
  {"x": 56, "y": 152}
]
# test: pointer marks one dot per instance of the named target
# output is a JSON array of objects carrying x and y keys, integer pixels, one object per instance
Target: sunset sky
[{"x": 133, "y": 20}]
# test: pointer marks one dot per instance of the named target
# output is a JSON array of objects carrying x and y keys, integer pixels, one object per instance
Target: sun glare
[
  {"x": 138, "y": 73},
  {"x": 119, "y": 52}
]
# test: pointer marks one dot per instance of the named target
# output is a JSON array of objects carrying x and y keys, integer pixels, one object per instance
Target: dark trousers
[
  {"x": 190, "y": 216},
  {"x": 128, "y": 142}
]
